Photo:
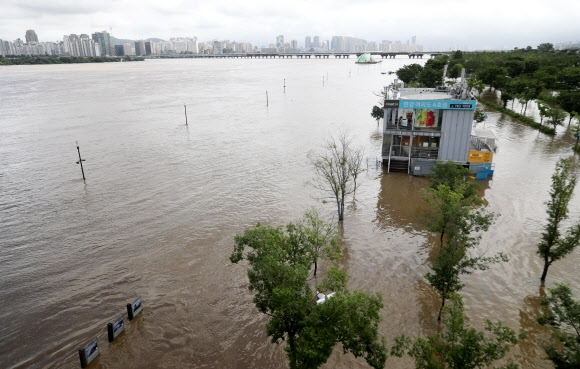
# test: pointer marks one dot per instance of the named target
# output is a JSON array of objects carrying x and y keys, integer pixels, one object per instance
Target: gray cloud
[{"x": 438, "y": 25}]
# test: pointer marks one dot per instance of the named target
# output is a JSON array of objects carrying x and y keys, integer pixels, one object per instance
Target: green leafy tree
[
  {"x": 557, "y": 117},
  {"x": 409, "y": 73},
  {"x": 455, "y": 71},
  {"x": 337, "y": 168},
  {"x": 548, "y": 76},
  {"x": 280, "y": 261},
  {"x": 531, "y": 91},
  {"x": 378, "y": 113},
  {"x": 514, "y": 66},
  {"x": 545, "y": 47},
  {"x": 562, "y": 312},
  {"x": 543, "y": 111},
  {"x": 576, "y": 130},
  {"x": 320, "y": 238},
  {"x": 459, "y": 227},
  {"x": 531, "y": 66},
  {"x": 478, "y": 116},
  {"x": 458, "y": 347},
  {"x": 477, "y": 84},
  {"x": 570, "y": 78},
  {"x": 430, "y": 77},
  {"x": 554, "y": 246},
  {"x": 505, "y": 97},
  {"x": 570, "y": 102},
  {"x": 493, "y": 76},
  {"x": 457, "y": 178}
]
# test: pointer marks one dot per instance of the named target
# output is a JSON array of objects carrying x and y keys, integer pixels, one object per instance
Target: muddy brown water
[{"x": 162, "y": 203}]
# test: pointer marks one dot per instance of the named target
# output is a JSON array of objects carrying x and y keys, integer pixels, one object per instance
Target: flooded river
[{"x": 163, "y": 201}]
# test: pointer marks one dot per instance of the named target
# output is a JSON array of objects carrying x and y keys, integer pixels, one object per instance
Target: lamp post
[{"x": 80, "y": 160}]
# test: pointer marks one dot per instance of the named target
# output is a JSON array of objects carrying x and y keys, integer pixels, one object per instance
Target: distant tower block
[{"x": 31, "y": 36}]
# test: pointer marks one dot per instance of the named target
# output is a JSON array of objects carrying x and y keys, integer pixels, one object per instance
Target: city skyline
[
  {"x": 101, "y": 43},
  {"x": 443, "y": 25}
]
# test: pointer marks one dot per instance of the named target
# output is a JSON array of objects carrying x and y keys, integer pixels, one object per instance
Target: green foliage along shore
[
  {"x": 522, "y": 118},
  {"x": 540, "y": 74},
  {"x": 37, "y": 59}
]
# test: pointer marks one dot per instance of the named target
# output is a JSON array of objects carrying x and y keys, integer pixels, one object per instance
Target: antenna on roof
[{"x": 444, "y": 74}]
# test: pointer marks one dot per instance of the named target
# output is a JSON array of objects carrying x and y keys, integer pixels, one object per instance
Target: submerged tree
[
  {"x": 337, "y": 168},
  {"x": 557, "y": 117},
  {"x": 458, "y": 347},
  {"x": 456, "y": 177},
  {"x": 554, "y": 246},
  {"x": 478, "y": 116},
  {"x": 280, "y": 261},
  {"x": 455, "y": 217},
  {"x": 562, "y": 312},
  {"x": 320, "y": 238},
  {"x": 378, "y": 113},
  {"x": 459, "y": 226}
]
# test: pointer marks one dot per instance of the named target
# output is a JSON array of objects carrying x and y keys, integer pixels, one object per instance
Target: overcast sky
[{"x": 437, "y": 24}]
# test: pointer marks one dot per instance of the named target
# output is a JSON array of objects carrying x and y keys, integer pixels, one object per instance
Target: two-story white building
[{"x": 423, "y": 125}]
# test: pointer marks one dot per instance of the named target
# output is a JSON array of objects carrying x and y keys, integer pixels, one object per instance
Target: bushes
[
  {"x": 47, "y": 59},
  {"x": 528, "y": 121}
]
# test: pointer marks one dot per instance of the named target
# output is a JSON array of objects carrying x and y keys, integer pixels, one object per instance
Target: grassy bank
[{"x": 522, "y": 118}]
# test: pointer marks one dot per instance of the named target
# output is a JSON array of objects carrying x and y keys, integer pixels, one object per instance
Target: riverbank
[
  {"x": 522, "y": 118},
  {"x": 32, "y": 60}
]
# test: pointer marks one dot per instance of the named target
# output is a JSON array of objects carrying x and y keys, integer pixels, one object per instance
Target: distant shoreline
[{"x": 39, "y": 60}]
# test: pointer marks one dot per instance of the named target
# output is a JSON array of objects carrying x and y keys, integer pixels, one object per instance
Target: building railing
[
  {"x": 416, "y": 152},
  {"x": 396, "y": 150},
  {"x": 425, "y": 152}
]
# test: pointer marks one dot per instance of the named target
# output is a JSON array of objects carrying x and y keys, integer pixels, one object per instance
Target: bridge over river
[{"x": 315, "y": 55}]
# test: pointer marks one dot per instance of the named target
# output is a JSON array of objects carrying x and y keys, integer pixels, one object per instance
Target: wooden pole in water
[
  {"x": 323, "y": 80},
  {"x": 284, "y": 85},
  {"x": 80, "y": 161},
  {"x": 267, "y": 98},
  {"x": 185, "y": 106}
]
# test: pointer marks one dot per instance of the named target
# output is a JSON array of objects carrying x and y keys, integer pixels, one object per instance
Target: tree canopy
[
  {"x": 554, "y": 246},
  {"x": 458, "y": 347},
  {"x": 562, "y": 312},
  {"x": 280, "y": 261}
]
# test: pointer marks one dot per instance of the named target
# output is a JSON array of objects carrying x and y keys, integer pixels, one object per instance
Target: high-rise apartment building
[
  {"x": 119, "y": 50},
  {"x": 104, "y": 41},
  {"x": 31, "y": 36},
  {"x": 307, "y": 42},
  {"x": 280, "y": 41},
  {"x": 139, "y": 48},
  {"x": 316, "y": 42},
  {"x": 294, "y": 44},
  {"x": 149, "y": 48},
  {"x": 218, "y": 47}
]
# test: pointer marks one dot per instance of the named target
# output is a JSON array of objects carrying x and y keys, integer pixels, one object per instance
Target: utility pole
[
  {"x": 185, "y": 106},
  {"x": 267, "y": 98},
  {"x": 80, "y": 161}
]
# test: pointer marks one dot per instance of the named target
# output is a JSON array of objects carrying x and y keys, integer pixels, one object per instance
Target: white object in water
[{"x": 320, "y": 297}]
